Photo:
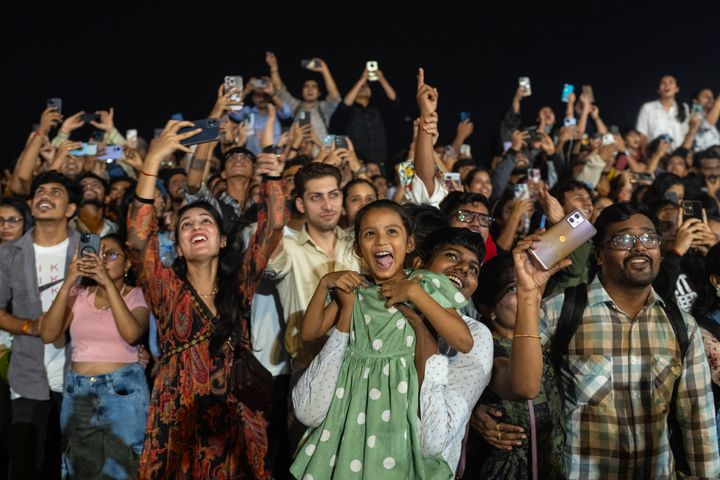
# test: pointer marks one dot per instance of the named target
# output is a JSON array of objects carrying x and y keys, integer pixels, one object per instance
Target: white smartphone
[
  {"x": 465, "y": 151},
  {"x": 372, "y": 68},
  {"x": 236, "y": 82},
  {"x": 131, "y": 136},
  {"x": 608, "y": 139},
  {"x": 524, "y": 83}
]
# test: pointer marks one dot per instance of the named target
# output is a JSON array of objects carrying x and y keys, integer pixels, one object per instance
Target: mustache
[{"x": 640, "y": 255}]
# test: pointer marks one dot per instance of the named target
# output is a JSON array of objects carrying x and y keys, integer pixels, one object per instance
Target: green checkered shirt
[{"x": 618, "y": 378}]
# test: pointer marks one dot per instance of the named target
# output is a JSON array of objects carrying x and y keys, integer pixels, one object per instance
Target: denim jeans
[{"x": 103, "y": 423}]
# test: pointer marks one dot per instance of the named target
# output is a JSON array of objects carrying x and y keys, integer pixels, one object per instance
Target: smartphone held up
[
  {"x": 561, "y": 239},
  {"x": 372, "y": 68},
  {"x": 210, "y": 131}
]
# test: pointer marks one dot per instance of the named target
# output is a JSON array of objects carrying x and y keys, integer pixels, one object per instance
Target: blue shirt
[{"x": 253, "y": 141}]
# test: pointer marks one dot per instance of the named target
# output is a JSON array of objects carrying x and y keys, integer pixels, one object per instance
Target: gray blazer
[{"x": 19, "y": 287}]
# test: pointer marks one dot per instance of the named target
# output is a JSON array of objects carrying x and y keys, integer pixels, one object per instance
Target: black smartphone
[
  {"x": 341, "y": 141},
  {"x": 692, "y": 209},
  {"x": 303, "y": 118},
  {"x": 210, "y": 131},
  {"x": 55, "y": 104},
  {"x": 89, "y": 243},
  {"x": 90, "y": 117}
]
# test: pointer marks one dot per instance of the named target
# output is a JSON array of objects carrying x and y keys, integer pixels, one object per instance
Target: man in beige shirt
[{"x": 320, "y": 247}]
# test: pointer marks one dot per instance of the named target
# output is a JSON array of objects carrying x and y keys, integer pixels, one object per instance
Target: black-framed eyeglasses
[
  {"x": 466, "y": 216},
  {"x": 112, "y": 255},
  {"x": 626, "y": 241},
  {"x": 10, "y": 221}
]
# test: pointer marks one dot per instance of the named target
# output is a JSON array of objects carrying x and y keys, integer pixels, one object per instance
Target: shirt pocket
[
  {"x": 590, "y": 381},
  {"x": 666, "y": 369}
]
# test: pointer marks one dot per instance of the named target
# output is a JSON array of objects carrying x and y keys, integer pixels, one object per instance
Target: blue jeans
[{"x": 103, "y": 423}]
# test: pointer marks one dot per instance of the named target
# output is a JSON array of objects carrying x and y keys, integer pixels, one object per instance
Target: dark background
[{"x": 154, "y": 60}]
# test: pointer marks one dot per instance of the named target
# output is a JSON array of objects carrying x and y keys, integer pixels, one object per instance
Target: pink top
[{"x": 95, "y": 337}]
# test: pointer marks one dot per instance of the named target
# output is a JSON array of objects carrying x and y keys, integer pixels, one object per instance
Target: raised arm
[
  {"x": 693, "y": 127},
  {"x": 22, "y": 174},
  {"x": 523, "y": 375},
  {"x": 585, "y": 113},
  {"x": 322, "y": 68},
  {"x": 272, "y": 62},
  {"x": 714, "y": 113},
  {"x": 353, "y": 93},
  {"x": 164, "y": 145},
  {"x": 427, "y": 100},
  {"x": 389, "y": 90},
  {"x": 272, "y": 217},
  {"x": 599, "y": 124}
]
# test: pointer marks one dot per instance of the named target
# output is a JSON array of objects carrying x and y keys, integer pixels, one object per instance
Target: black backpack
[{"x": 574, "y": 305}]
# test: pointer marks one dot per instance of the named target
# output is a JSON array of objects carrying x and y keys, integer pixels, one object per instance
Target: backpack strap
[
  {"x": 675, "y": 432},
  {"x": 574, "y": 303}
]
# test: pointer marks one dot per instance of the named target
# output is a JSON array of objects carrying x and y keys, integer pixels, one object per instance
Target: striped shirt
[{"x": 618, "y": 378}]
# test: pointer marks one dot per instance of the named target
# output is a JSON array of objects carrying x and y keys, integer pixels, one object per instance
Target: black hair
[
  {"x": 377, "y": 205},
  {"x": 313, "y": 171},
  {"x": 104, "y": 182},
  {"x": 231, "y": 308},
  {"x": 22, "y": 209},
  {"x": 708, "y": 300},
  {"x": 53, "y": 176},
  {"x": 130, "y": 274},
  {"x": 471, "y": 176},
  {"x": 454, "y": 200},
  {"x": 443, "y": 237},
  {"x": 424, "y": 219},
  {"x": 122, "y": 178},
  {"x": 704, "y": 155},
  {"x": 497, "y": 225},
  {"x": 357, "y": 181},
  {"x": 301, "y": 160},
  {"x": 233, "y": 151},
  {"x": 561, "y": 188},
  {"x": 681, "y": 114},
  {"x": 660, "y": 185},
  {"x": 465, "y": 162},
  {"x": 495, "y": 275}
]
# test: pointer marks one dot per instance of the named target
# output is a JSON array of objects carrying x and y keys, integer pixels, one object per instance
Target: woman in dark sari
[{"x": 197, "y": 427}]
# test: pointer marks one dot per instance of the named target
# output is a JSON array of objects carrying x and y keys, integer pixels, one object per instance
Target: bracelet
[
  {"x": 147, "y": 174},
  {"x": 147, "y": 201},
  {"x": 294, "y": 149},
  {"x": 26, "y": 327},
  {"x": 526, "y": 336}
]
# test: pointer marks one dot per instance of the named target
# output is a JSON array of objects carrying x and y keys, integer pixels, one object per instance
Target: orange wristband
[
  {"x": 147, "y": 174},
  {"x": 26, "y": 327}
]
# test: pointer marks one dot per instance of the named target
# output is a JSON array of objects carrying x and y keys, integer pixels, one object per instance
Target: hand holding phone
[
  {"x": 89, "y": 243},
  {"x": 524, "y": 84},
  {"x": 452, "y": 181},
  {"x": 372, "y": 68},
  {"x": 563, "y": 238},
  {"x": 55, "y": 104},
  {"x": 303, "y": 118},
  {"x": 567, "y": 90},
  {"x": 587, "y": 90},
  {"x": 210, "y": 132},
  {"x": 234, "y": 82}
]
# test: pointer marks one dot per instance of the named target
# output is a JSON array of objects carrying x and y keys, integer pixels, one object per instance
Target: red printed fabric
[{"x": 196, "y": 428}]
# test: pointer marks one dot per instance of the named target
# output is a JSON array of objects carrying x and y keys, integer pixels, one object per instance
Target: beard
[{"x": 91, "y": 201}]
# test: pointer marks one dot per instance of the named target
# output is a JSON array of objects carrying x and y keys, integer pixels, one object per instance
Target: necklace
[{"x": 208, "y": 295}]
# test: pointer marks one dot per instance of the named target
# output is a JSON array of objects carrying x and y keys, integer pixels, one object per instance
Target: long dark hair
[
  {"x": 708, "y": 300},
  {"x": 232, "y": 309}
]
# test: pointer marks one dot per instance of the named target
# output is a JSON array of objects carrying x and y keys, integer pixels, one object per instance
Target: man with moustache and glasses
[
  {"x": 91, "y": 218},
  {"x": 625, "y": 377}
]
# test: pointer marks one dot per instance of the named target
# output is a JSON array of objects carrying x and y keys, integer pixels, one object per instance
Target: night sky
[{"x": 150, "y": 62}]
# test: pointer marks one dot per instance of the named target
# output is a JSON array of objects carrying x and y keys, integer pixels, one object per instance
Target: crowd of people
[{"x": 282, "y": 302}]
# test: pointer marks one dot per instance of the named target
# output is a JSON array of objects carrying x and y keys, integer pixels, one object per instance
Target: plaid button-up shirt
[{"x": 619, "y": 375}]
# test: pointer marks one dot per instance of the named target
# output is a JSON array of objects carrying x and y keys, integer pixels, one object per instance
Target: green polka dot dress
[{"x": 371, "y": 429}]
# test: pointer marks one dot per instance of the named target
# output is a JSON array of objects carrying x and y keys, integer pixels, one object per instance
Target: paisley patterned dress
[{"x": 196, "y": 428}]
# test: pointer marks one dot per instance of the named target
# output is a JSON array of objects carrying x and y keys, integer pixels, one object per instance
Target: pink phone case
[{"x": 563, "y": 238}]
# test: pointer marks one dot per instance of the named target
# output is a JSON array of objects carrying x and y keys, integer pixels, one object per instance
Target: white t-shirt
[
  {"x": 50, "y": 267},
  {"x": 653, "y": 121}
]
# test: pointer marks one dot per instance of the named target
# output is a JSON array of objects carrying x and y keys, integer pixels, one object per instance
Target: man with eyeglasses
[
  {"x": 624, "y": 375},
  {"x": 471, "y": 211}
]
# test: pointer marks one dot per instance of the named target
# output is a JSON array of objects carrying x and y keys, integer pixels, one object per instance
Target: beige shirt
[{"x": 298, "y": 270}]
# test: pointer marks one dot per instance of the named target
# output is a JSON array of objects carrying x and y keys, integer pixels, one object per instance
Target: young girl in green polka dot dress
[{"x": 371, "y": 428}]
